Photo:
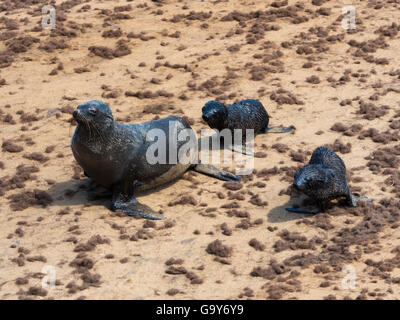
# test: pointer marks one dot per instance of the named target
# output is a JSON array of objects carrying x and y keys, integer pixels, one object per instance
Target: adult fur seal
[
  {"x": 114, "y": 156},
  {"x": 324, "y": 179}
]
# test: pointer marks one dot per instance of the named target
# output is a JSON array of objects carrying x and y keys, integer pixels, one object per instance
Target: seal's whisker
[
  {"x": 98, "y": 132},
  {"x": 88, "y": 127},
  {"x": 93, "y": 136}
]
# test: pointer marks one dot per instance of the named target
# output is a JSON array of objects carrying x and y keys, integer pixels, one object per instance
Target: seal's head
[
  {"x": 314, "y": 179},
  {"x": 215, "y": 113},
  {"x": 94, "y": 112}
]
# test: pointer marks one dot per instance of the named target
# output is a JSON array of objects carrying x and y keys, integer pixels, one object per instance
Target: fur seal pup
[
  {"x": 324, "y": 179},
  {"x": 245, "y": 114},
  {"x": 114, "y": 156}
]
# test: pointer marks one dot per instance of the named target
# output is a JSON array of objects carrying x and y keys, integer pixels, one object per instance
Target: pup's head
[
  {"x": 94, "y": 112},
  {"x": 313, "y": 178},
  {"x": 214, "y": 113}
]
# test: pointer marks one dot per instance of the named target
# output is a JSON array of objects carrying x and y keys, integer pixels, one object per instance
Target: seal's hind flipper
[
  {"x": 241, "y": 149},
  {"x": 135, "y": 209},
  {"x": 279, "y": 129},
  {"x": 215, "y": 172},
  {"x": 300, "y": 210}
]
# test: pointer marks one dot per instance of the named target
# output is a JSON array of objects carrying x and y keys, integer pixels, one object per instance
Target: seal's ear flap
[{"x": 110, "y": 116}]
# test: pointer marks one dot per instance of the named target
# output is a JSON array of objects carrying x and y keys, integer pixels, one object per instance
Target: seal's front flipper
[
  {"x": 279, "y": 129},
  {"x": 143, "y": 211},
  {"x": 131, "y": 207},
  {"x": 300, "y": 210},
  {"x": 215, "y": 172},
  {"x": 136, "y": 209},
  {"x": 123, "y": 200}
]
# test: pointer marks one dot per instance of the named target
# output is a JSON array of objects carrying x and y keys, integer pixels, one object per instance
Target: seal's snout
[
  {"x": 75, "y": 114},
  {"x": 206, "y": 117},
  {"x": 301, "y": 181},
  {"x": 210, "y": 115},
  {"x": 298, "y": 183}
]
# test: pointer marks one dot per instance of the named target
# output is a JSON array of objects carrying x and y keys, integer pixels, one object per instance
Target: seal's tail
[{"x": 279, "y": 129}]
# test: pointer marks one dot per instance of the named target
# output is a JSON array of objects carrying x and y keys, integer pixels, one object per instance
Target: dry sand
[{"x": 152, "y": 59}]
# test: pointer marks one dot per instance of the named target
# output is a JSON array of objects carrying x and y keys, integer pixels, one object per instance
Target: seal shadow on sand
[
  {"x": 279, "y": 214},
  {"x": 86, "y": 191}
]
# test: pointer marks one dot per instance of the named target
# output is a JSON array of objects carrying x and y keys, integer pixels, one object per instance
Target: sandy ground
[{"x": 152, "y": 59}]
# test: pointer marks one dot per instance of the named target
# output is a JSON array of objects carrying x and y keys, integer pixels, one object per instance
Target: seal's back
[
  {"x": 247, "y": 114},
  {"x": 328, "y": 159}
]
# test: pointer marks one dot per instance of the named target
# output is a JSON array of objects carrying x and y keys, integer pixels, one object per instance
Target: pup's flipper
[
  {"x": 303, "y": 210},
  {"x": 279, "y": 129},
  {"x": 215, "y": 172},
  {"x": 133, "y": 208},
  {"x": 355, "y": 197}
]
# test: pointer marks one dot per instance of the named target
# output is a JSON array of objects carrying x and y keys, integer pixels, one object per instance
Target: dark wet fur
[
  {"x": 245, "y": 114},
  {"x": 324, "y": 178},
  {"x": 91, "y": 126},
  {"x": 114, "y": 156}
]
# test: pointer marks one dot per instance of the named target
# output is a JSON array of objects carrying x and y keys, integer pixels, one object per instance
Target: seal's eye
[{"x": 92, "y": 111}]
